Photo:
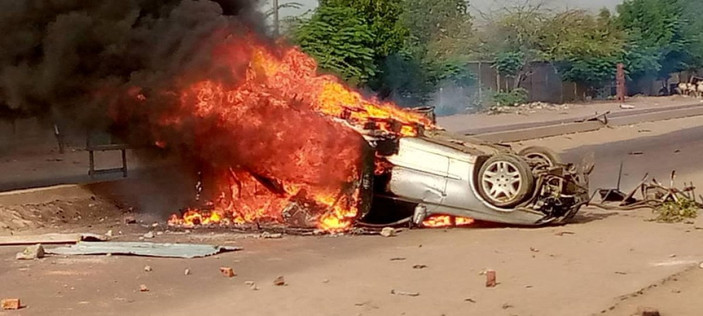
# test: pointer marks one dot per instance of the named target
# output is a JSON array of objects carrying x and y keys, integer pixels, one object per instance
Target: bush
[{"x": 512, "y": 98}]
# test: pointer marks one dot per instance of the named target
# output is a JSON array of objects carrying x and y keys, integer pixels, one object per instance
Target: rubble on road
[
  {"x": 143, "y": 288},
  {"x": 228, "y": 272},
  {"x": 491, "y": 278},
  {"x": 279, "y": 281},
  {"x": 148, "y": 269},
  {"x": 10, "y": 303},
  {"x": 647, "y": 311},
  {"x": 403, "y": 293},
  {"x": 31, "y": 253},
  {"x": 388, "y": 232},
  {"x": 146, "y": 249}
]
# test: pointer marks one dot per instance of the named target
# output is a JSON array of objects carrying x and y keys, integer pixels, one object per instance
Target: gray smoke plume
[{"x": 68, "y": 57}]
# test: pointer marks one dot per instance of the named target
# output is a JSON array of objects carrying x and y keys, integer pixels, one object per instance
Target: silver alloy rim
[{"x": 502, "y": 181}]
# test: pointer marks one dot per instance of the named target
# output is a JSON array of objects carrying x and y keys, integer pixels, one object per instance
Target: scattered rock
[
  {"x": 31, "y": 253},
  {"x": 388, "y": 232},
  {"x": 147, "y": 268},
  {"x": 701, "y": 265},
  {"x": 10, "y": 303},
  {"x": 143, "y": 288},
  {"x": 279, "y": 281},
  {"x": 627, "y": 107},
  {"x": 403, "y": 293},
  {"x": 186, "y": 272},
  {"x": 419, "y": 266},
  {"x": 564, "y": 233},
  {"x": 109, "y": 233},
  {"x": 647, "y": 311},
  {"x": 326, "y": 281},
  {"x": 149, "y": 235},
  {"x": 159, "y": 233},
  {"x": 227, "y": 271},
  {"x": 470, "y": 300},
  {"x": 636, "y": 153},
  {"x": 267, "y": 235},
  {"x": 398, "y": 259},
  {"x": 672, "y": 256},
  {"x": 252, "y": 285},
  {"x": 491, "y": 278},
  {"x": 507, "y": 306},
  {"x": 155, "y": 225},
  {"x": 620, "y": 273},
  {"x": 130, "y": 220},
  {"x": 534, "y": 249}
]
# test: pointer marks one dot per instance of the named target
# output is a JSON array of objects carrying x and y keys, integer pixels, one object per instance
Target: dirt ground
[{"x": 604, "y": 263}]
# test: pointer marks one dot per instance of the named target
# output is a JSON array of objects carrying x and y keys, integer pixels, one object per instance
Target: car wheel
[
  {"x": 540, "y": 156},
  {"x": 505, "y": 180}
]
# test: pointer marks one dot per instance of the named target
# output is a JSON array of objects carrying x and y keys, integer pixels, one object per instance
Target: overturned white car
[{"x": 437, "y": 173}]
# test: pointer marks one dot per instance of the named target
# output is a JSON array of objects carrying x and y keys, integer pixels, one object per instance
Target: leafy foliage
[
  {"x": 511, "y": 98},
  {"x": 341, "y": 42},
  {"x": 657, "y": 44},
  {"x": 509, "y": 63},
  {"x": 676, "y": 211}
]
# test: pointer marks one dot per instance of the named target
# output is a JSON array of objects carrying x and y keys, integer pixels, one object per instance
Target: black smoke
[{"x": 73, "y": 58}]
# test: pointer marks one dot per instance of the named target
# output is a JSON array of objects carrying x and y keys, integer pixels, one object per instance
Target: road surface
[{"x": 579, "y": 269}]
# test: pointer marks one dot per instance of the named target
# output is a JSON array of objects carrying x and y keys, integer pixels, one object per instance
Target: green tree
[
  {"x": 340, "y": 41},
  {"x": 657, "y": 43}
]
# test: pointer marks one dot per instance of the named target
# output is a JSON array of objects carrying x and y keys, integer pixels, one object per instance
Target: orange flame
[
  {"x": 441, "y": 221},
  {"x": 284, "y": 119}
]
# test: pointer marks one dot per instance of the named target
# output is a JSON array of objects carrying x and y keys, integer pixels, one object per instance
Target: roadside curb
[{"x": 520, "y": 134}]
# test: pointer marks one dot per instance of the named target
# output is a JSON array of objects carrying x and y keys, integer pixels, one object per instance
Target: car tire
[
  {"x": 541, "y": 156},
  {"x": 505, "y": 180}
]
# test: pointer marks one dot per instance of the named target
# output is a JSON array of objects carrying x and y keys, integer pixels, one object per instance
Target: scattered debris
[
  {"x": 644, "y": 131},
  {"x": 534, "y": 249},
  {"x": 186, "y": 251},
  {"x": 564, "y": 233},
  {"x": 403, "y": 293},
  {"x": 267, "y": 235},
  {"x": 491, "y": 278},
  {"x": 388, "y": 232},
  {"x": 279, "y": 281},
  {"x": 49, "y": 239},
  {"x": 186, "y": 272},
  {"x": 470, "y": 300},
  {"x": 620, "y": 273},
  {"x": 647, "y": 311},
  {"x": 419, "y": 266},
  {"x": 147, "y": 269},
  {"x": 252, "y": 285},
  {"x": 31, "y": 253},
  {"x": 398, "y": 259},
  {"x": 227, "y": 271},
  {"x": 701, "y": 265},
  {"x": 130, "y": 220},
  {"x": 149, "y": 235},
  {"x": 10, "y": 303},
  {"x": 326, "y": 281},
  {"x": 636, "y": 153},
  {"x": 507, "y": 306},
  {"x": 143, "y": 288},
  {"x": 109, "y": 233},
  {"x": 627, "y": 107},
  {"x": 676, "y": 211}
]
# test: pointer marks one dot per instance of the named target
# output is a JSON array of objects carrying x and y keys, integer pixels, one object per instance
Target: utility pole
[{"x": 276, "y": 22}]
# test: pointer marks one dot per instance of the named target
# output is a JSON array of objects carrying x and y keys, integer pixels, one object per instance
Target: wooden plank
[{"x": 48, "y": 239}]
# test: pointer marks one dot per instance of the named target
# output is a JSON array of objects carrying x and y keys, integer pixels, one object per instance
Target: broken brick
[
  {"x": 227, "y": 271},
  {"x": 10, "y": 303},
  {"x": 491, "y": 278},
  {"x": 279, "y": 281}
]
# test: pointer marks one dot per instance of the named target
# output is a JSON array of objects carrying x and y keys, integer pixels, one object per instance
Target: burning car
[
  {"x": 436, "y": 173},
  {"x": 285, "y": 145}
]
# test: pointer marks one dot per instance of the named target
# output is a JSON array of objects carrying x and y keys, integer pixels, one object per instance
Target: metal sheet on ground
[{"x": 186, "y": 251}]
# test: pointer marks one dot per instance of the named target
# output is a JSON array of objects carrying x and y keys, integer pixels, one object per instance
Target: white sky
[{"x": 482, "y": 5}]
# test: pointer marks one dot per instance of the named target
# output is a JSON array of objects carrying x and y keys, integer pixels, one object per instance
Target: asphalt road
[{"x": 582, "y": 271}]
